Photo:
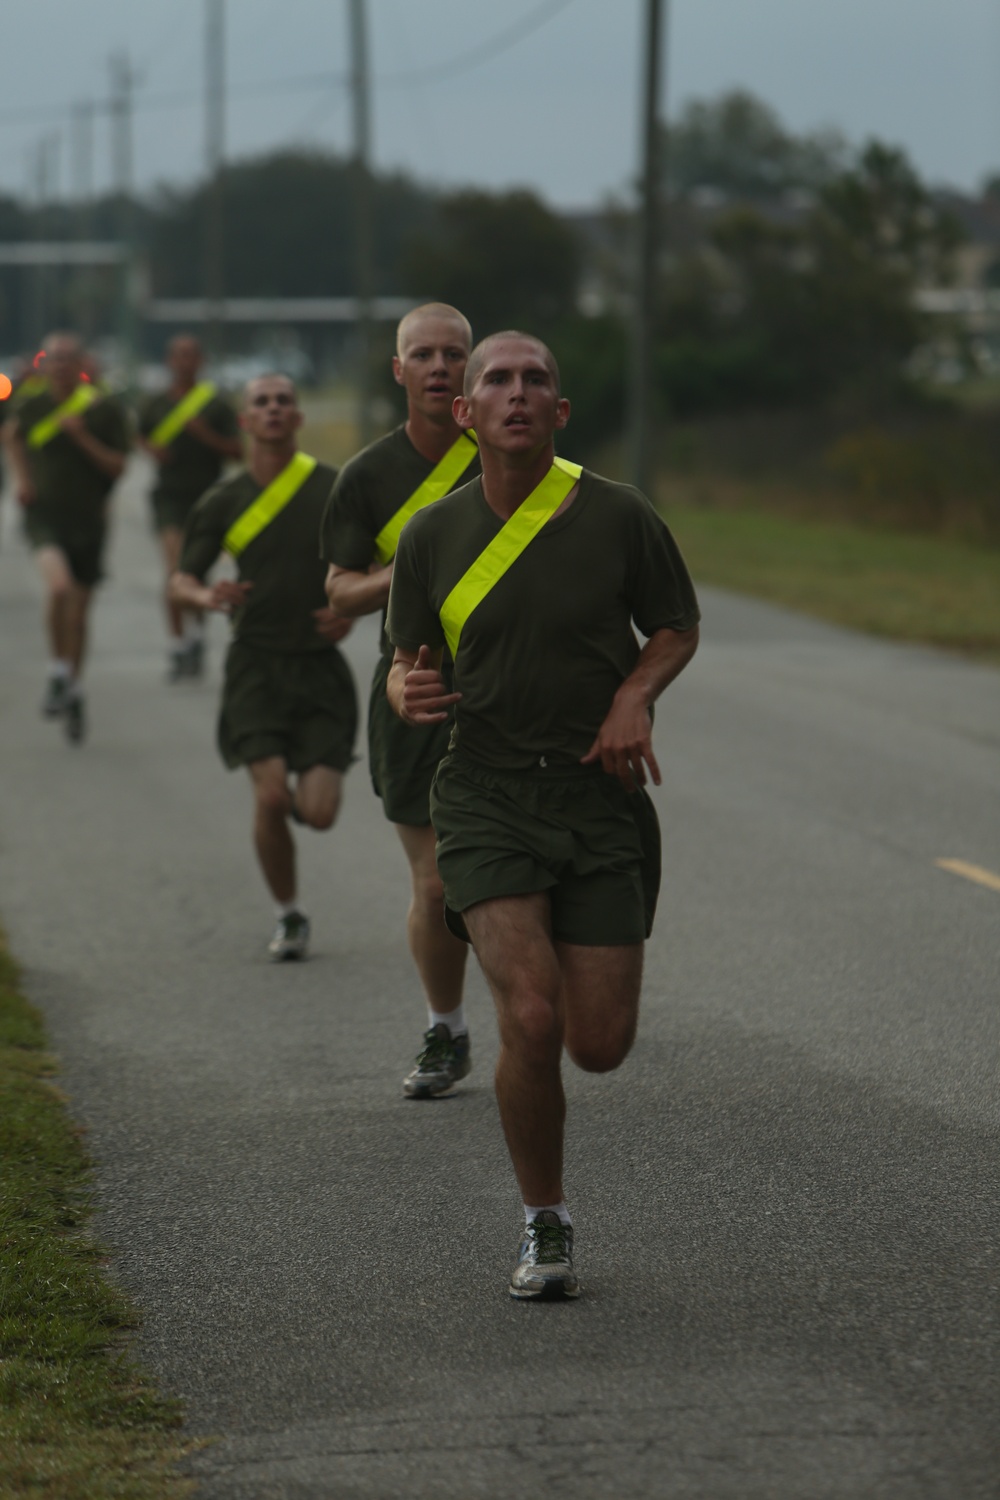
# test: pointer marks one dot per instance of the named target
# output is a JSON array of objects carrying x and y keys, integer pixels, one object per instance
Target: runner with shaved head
[
  {"x": 378, "y": 490},
  {"x": 189, "y": 430},
  {"x": 289, "y": 707},
  {"x": 67, "y": 445},
  {"x": 535, "y": 578}
]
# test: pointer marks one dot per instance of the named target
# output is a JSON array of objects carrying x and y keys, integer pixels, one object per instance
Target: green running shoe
[
  {"x": 544, "y": 1269},
  {"x": 442, "y": 1062},
  {"x": 291, "y": 938},
  {"x": 56, "y": 695},
  {"x": 74, "y": 717}
]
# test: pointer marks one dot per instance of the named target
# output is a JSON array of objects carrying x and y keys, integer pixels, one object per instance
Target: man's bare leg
[
  {"x": 271, "y": 834},
  {"x": 546, "y": 992},
  {"x": 439, "y": 956},
  {"x": 317, "y": 796},
  {"x": 171, "y": 540},
  {"x": 58, "y": 581}
]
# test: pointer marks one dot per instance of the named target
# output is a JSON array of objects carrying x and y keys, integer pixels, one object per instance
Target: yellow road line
[{"x": 970, "y": 872}]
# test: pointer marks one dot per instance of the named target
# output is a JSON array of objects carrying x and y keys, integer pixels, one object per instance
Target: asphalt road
[{"x": 786, "y": 1201}]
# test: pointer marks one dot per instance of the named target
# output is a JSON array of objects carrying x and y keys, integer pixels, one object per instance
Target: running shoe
[
  {"x": 74, "y": 718},
  {"x": 442, "y": 1062},
  {"x": 544, "y": 1269},
  {"x": 176, "y": 664},
  {"x": 194, "y": 657},
  {"x": 56, "y": 694},
  {"x": 291, "y": 938}
]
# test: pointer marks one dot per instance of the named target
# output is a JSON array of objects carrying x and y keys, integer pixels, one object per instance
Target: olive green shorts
[
  {"x": 172, "y": 511},
  {"x": 299, "y": 705},
  {"x": 83, "y": 548},
  {"x": 401, "y": 759},
  {"x": 573, "y": 832}
]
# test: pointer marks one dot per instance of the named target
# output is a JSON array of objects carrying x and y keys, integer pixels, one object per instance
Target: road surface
[{"x": 785, "y": 1202}]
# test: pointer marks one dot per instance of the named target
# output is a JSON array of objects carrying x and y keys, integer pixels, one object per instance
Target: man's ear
[
  {"x": 562, "y": 413},
  {"x": 461, "y": 410},
  {"x": 397, "y": 370}
]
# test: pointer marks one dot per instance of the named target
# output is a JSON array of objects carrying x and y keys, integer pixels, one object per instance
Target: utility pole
[
  {"x": 363, "y": 236},
  {"x": 82, "y": 186},
  {"x": 214, "y": 273},
  {"x": 647, "y": 241},
  {"x": 123, "y": 80}
]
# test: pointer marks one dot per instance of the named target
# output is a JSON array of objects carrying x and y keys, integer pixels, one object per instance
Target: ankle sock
[
  {"x": 285, "y": 908},
  {"x": 453, "y": 1019},
  {"x": 531, "y": 1211},
  {"x": 59, "y": 669}
]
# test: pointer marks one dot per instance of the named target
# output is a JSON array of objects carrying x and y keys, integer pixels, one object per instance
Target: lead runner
[
  {"x": 547, "y": 841},
  {"x": 377, "y": 492}
]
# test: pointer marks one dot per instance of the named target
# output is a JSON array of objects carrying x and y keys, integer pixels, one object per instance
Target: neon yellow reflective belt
[
  {"x": 505, "y": 548},
  {"x": 180, "y": 415},
  {"x": 44, "y": 431},
  {"x": 439, "y": 481},
  {"x": 268, "y": 504}
]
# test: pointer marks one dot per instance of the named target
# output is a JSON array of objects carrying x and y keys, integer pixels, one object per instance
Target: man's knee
[
  {"x": 319, "y": 815},
  {"x": 272, "y": 797},
  {"x": 530, "y": 1026},
  {"x": 428, "y": 890},
  {"x": 600, "y": 1054}
]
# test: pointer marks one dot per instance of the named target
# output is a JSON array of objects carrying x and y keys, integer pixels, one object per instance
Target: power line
[{"x": 503, "y": 41}]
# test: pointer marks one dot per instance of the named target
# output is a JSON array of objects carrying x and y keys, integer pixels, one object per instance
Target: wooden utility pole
[
  {"x": 647, "y": 244},
  {"x": 363, "y": 235},
  {"x": 214, "y": 271},
  {"x": 123, "y": 80}
]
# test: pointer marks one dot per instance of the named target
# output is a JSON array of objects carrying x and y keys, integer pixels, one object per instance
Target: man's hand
[
  {"x": 330, "y": 626},
  {"x": 624, "y": 743},
  {"x": 226, "y": 595},
  {"x": 73, "y": 426},
  {"x": 157, "y": 452},
  {"x": 26, "y": 494},
  {"x": 424, "y": 698}
]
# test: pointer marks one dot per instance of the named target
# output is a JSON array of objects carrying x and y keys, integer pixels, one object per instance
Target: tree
[
  {"x": 737, "y": 146},
  {"x": 504, "y": 258}
]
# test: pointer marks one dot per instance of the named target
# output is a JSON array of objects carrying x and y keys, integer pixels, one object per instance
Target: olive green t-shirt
[
  {"x": 70, "y": 489},
  {"x": 280, "y": 562},
  {"x": 192, "y": 465},
  {"x": 543, "y": 655},
  {"x": 371, "y": 488}
]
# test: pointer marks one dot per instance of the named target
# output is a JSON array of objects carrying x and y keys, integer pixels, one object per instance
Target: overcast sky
[{"x": 551, "y": 105}]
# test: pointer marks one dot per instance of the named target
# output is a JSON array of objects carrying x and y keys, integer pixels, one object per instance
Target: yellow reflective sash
[
  {"x": 268, "y": 504},
  {"x": 180, "y": 415},
  {"x": 505, "y": 548},
  {"x": 44, "y": 431},
  {"x": 439, "y": 481}
]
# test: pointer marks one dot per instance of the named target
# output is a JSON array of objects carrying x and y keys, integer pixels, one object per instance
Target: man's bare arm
[
  {"x": 415, "y": 688},
  {"x": 190, "y": 592},
  {"x": 352, "y": 593},
  {"x": 624, "y": 743},
  {"x": 229, "y": 447},
  {"x": 17, "y": 454}
]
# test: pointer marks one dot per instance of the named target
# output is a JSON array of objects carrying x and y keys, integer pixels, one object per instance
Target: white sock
[
  {"x": 531, "y": 1211},
  {"x": 58, "y": 668},
  {"x": 285, "y": 908},
  {"x": 453, "y": 1019}
]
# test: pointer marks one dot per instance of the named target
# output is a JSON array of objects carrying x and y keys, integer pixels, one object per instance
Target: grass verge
[
  {"x": 911, "y": 587},
  {"x": 78, "y": 1421}
]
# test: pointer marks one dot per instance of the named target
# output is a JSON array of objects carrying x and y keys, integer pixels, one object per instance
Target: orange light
[
  {"x": 38, "y": 360},
  {"x": 6, "y": 386}
]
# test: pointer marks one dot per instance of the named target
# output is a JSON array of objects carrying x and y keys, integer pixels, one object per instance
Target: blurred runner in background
[
  {"x": 289, "y": 706},
  {"x": 67, "y": 443},
  {"x": 376, "y": 493},
  {"x": 190, "y": 431}
]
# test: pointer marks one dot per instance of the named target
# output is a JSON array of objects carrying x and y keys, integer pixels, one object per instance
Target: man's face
[
  {"x": 184, "y": 359},
  {"x": 431, "y": 365},
  {"x": 270, "y": 409},
  {"x": 515, "y": 404},
  {"x": 63, "y": 363}
]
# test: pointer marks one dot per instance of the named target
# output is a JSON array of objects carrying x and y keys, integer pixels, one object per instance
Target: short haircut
[
  {"x": 63, "y": 336},
  {"x": 184, "y": 338},
  {"x": 269, "y": 375},
  {"x": 431, "y": 310},
  {"x": 481, "y": 353}
]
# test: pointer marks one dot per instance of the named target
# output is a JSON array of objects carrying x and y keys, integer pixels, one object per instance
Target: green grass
[
  {"x": 910, "y": 587},
  {"x": 78, "y": 1421}
]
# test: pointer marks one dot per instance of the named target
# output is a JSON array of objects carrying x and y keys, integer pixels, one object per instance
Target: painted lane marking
[{"x": 970, "y": 872}]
